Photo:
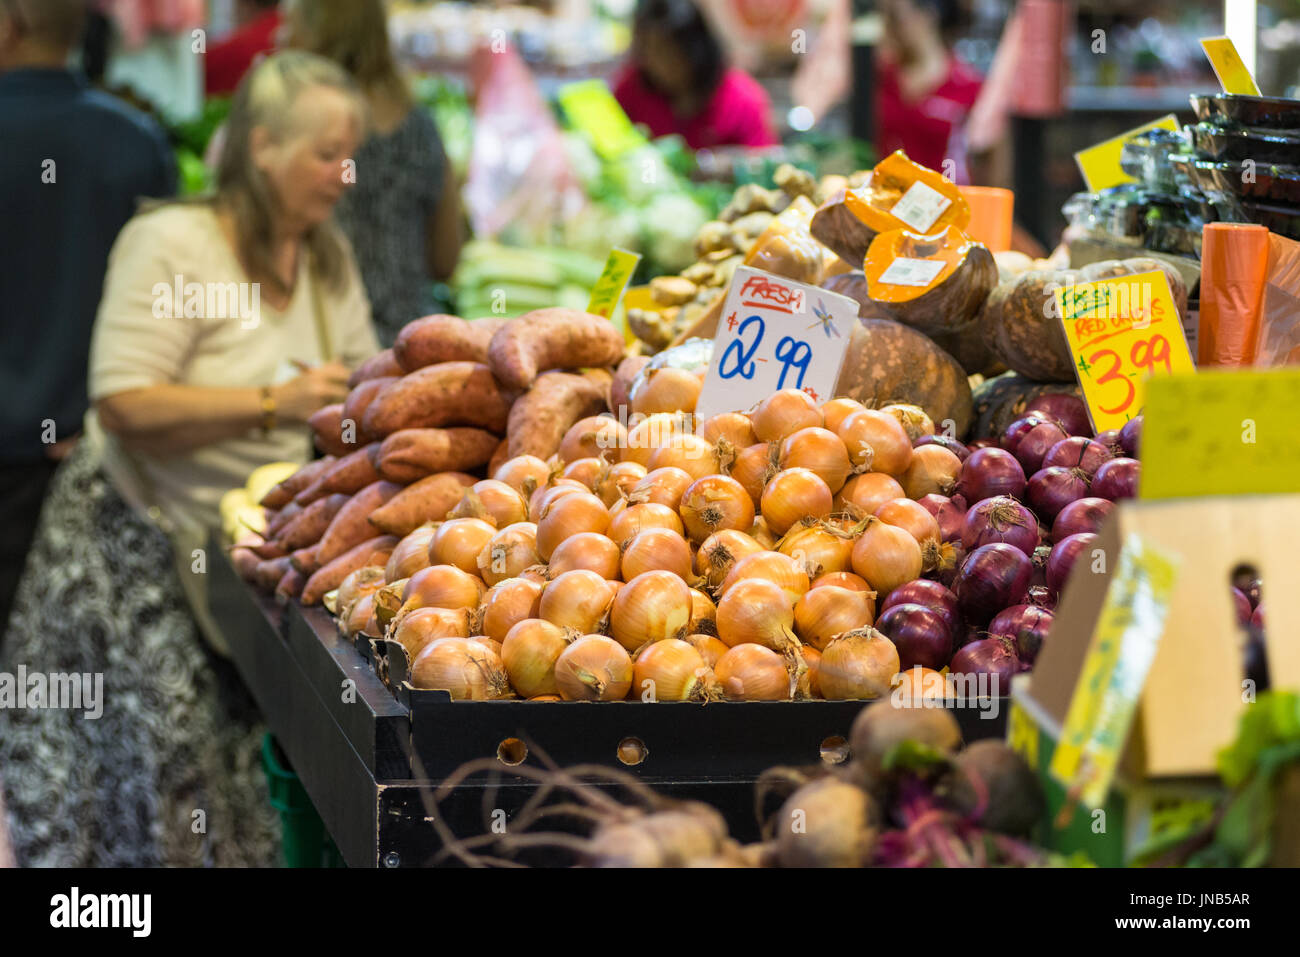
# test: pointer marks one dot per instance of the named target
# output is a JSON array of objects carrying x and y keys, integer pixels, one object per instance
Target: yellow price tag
[
  {"x": 592, "y": 109},
  {"x": 1121, "y": 332},
  {"x": 1100, "y": 164},
  {"x": 1222, "y": 432},
  {"x": 1228, "y": 66},
  {"x": 1022, "y": 734},
  {"x": 613, "y": 278},
  {"x": 1114, "y": 671}
]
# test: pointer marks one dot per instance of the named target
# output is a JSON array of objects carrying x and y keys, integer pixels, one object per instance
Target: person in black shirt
[{"x": 73, "y": 165}]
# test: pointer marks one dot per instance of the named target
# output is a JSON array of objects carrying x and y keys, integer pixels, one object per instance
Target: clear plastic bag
[{"x": 1278, "y": 339}]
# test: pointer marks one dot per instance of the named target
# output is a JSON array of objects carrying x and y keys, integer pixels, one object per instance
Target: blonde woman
[
  {"x": 404, "y": 216},
  {"x": 211, "y": 312}
]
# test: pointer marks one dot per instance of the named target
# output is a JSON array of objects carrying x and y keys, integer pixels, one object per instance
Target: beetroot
[
  {"x": 1117, "y": 479},
  {"x": 1130, "y": 437},
  {"x": 1063, "y": 556},
  {"x": 994, "y": 657},
  {"x": 1083, "y": 515},
  {"x": 1064, "y": 408},
  {"x": 1077, "y": 452},
  {"x": 1038, "y": 441},
  {"x": 932, "y": 595},
  {"x": 1000, "y": 519},
  {"x": 1051, "y": 489},
  {"x": 991, "y": 578},
  {"x": 990, "y": 472},
  {"x": 946, "y": 513},
  {"x": 1026, "y": 625},
  {"x": 921, "y": 635}
]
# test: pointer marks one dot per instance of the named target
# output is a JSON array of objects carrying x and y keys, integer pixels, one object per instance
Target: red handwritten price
[{"x": 1145, "y": 356}]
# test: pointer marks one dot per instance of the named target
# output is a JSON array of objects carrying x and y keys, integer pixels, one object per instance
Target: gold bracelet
[{"x": 268, "y": 410}]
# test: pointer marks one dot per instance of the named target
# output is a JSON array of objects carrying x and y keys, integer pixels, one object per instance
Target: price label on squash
[
  {"x": 1114, "y": 671},
  {"x": 1121, "y": 331},
  {"x": 613, "y": 280},
  {"x": 1100, "y": 164},
  {"x": 911, "y": 272},
  {"x": 921, "y": 206},
  {"x": 774, "y": 334},
  {"x": 1231, "y": 70}
]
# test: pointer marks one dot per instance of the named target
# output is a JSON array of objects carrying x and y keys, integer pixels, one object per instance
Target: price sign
[
  {"x": 613, "y": 279},
  {"x": 592, "y": 109},
  {"x": 1122, "y": 331},
  {"x": 1100, "y": 164},
  {"x": 775, "y": 334},
  {"x": 1228, "y": 66}
]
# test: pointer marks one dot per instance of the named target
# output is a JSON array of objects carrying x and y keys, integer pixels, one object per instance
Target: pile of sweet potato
[{"x": 423, "y": 422}]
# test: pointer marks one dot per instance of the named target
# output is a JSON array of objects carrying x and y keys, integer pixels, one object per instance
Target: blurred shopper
[
  {"x": 256, "y": 25},
  {"x": 924, "y": 91},
  {"x": 211, "y": 310},
  {"x": 404, "y": 215},
  {"x": 73, "y": 164},
  {"x": 678, "y": 81}
]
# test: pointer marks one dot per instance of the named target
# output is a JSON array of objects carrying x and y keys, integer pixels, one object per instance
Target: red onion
[
  {"x": 990, "y": 472},
  {"x": 1037, "y": 442},
  {"x": 948, "y": 442},
  {"x": 988, "y": 656},
  {"x": 1017, "y": 430},
  {"x": 1051, "y": 489},
  {"x": 1063, "y": 556},
  {"x": 991, "y": 578},
  {"x": 1026, "y": 625},
  {"x": 1039, "y": 560},
  {"x": 946, "y": 513},
  {"x": 1064, "y": 408},
  {"x": 1130, "y": 437},
  {"x": 1243, "y": 606},
  {"x": 1082, "y": 515},
  {"x": 1000, "y": 519},
  {"x": 927, "y": 594},
  {"x": 1042, "y": 597},
  {"x": 1077, "y": 452},
  {"x": 974, "y": 444},
  {"x": 1110, "y": 439},
  {"x": 1117, "y": 479},
  {"x": 921, "y": 636},
  {"x": 946, "y": 576}
]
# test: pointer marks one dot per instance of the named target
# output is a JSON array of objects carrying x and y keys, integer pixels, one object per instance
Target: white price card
[
  {"x": 920, "y": 206},
  {"x": 775, "y": 334},
  {"x": 911, "y": 272}
]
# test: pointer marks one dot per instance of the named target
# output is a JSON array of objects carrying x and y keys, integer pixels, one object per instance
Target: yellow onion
[
  {"x": 495, "y": 502},
  {"x": 666, "y": 389},
  {"x": 596, "y": 553},
  {"x": 529, "y": 652},
  {"x": 523, "y": 473},
  {"x": 586, "y": 471},
  {"x": 720, "y": 551},
  {"x": 618, "y": 481},
  {"x": 545, "y": 494},
  {"x": 912, "y": 517},
  {"x": 467, "y": 670},
  {"x": 510, "y": 551},
  {"x": 822, "y": 613},
  {"x": 793, "y": 494},
  {"x": 758, "y": 612},
  {"x": 813, "y": 659},
  {"x": 842, "y": 580},
  {"x": 769, "y": 566},
  {"x": 914, "y": 419},
  {"x": 593, "y": 668},
  {"x": 410, "y": 555},
  {"x": 671, "y": 670},
  {"x": 734, "y": 427},
  {"x": 692, "y": 454},
  {"x": 651, "y": 607},
  {"x": 458, "y": 542},
  {"x": 650, "y": 433},
  {"x": 578, "y": 600},
  {"x": 704, "y": 614},
  {"x": 858, "y": 664},
  {"x": 783, "y": 413},
  {"x": 417, "y": 628},
  {"x": 753, "y": 673},
  {"x": 761, "y": 533},
  {"x": 876, "y": 442},
  {"x": 490, "y": 643},
  {"x": 507, "y": 603},
  {"x": 863, "y": 494},
  {"x": 360, "y": 618},
  {"x": 934, "y": 470},
  {"x": 820, "y": 451},
  {"x": 837, "y": 410},
  {"x": 363, "y": 581},
  {"x": 917, "y": 684},
  {"x": 637, "y": 518},
  {"x": 567, "y": 516},
  {"x": 656, "y": 549},
  {"x": 818, "y": 546},
  {"x": 713, "y": 503},
  {"x": 442, "y": 586},
  {"x": 661, "y": 487},
  {"x": 886, "y": 556},
  {"x": 710, "y": 647},
  {"x": 752, "y": 467},
  {"x": 599, "y": 436}
]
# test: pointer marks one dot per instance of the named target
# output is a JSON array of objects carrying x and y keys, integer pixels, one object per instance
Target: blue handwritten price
[
  {"x": 793, "y": 354},
  {"x": 738, "y": 358}
]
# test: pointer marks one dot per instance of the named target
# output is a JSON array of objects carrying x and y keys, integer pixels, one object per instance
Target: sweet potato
[
  {"x": 267, "y": 549},
  {"x": 359, "y": 399},
  {"x": 269, "y": 573},
  {"x": 245, "y": 562},
  {"x": 291, "y": 584},
  {"x": 350, "y": 526},
  {"x": 379, "y": 365},
  {"x": 307, "y": 527},
  {"x": 450, "y": 393},
  {"x": 374, "y": 551},
  {"x": 327, "y": 425},
  {"x": 542, "y": 415},
  {"x": 348, "y": 476},
  {"x": 282, "y": 494},
  {"x": 409, "y": 455},
  {"x": 500, "y": 457},
  {"x": 428, "y": 500},
  {"x": 304, "y": 559},
  {"x": 552, "y": 338},
  {"x": 619, "y": 402},
  {"x": 280, "y": 520},
  {"x": 442, "y": 338}
]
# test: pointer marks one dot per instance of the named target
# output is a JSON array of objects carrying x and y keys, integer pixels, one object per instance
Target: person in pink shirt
[{"x": 677, "y": 81}]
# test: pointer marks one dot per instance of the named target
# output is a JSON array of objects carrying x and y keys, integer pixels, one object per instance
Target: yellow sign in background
[
  {"x": 613, "y": 278},
  {"x": 1228, "y": 66},
  {"x": 1121, "y": 331},
  {"x": 1100, "y": 164}
]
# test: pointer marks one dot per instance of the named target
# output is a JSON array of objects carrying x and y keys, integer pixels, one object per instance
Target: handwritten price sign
[
  {"x": 1122, "y": 331},
  {"x": 775, "y": 334}
]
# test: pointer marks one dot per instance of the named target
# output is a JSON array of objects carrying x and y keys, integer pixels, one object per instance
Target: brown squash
[{"x": 943, "y": 302}]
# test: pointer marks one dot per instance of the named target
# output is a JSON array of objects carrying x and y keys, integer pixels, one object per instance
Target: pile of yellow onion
[{"x": 738, "y": 560}]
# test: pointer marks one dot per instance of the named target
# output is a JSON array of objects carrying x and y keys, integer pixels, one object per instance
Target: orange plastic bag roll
[
  {"x": 1234, "y": 263},
  {"x": 1278, "y": 343},
  {"x": 991, "y": 210}
]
